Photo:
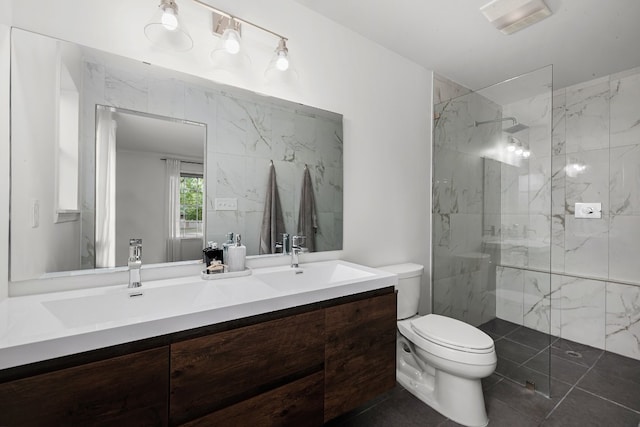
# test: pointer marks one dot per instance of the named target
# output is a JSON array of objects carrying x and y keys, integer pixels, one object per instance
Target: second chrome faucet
[
  {"x": 135, "y": 263},
  {"x": 297, "y": 247}
]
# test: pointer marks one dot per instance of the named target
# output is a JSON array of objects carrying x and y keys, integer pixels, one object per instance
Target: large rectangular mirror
[{"x": 77, "y": 196}]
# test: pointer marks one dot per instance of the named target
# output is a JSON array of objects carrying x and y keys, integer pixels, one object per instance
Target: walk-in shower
[{"x": 492, "y": 218}]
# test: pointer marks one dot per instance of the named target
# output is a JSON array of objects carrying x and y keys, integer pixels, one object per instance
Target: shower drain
[{"x": 573, "y": 354}]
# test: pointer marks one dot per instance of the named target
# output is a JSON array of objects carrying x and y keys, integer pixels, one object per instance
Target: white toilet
[{"x": 439, "y": 359}]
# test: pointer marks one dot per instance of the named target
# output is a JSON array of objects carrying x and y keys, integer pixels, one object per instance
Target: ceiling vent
[{"x": 510, "y": 16}]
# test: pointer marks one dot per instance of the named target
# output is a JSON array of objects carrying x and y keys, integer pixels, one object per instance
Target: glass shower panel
[{"x": 492, "y": 220}]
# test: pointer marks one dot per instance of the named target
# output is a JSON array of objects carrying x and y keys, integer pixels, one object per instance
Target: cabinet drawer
[
  {"x": 296, "y": 404},
  {"x": 129, "y": 390},
  {"x": 360, "y": 353},
  {"x": 216, "y": 371}
]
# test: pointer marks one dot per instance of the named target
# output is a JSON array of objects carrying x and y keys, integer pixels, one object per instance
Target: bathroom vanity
[{"x": 274, "y": 348}]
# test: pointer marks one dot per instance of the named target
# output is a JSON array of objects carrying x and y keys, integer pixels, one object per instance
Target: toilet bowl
[{"x": 440, "y": 360}]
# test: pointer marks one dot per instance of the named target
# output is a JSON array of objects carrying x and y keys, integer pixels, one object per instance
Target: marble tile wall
[
  {"x": 243, "y": 135},
  {"x": 594, "y": 294},
  {"x": 464, "y": 277}
]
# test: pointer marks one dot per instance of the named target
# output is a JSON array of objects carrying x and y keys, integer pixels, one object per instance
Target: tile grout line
[
  {"x": 608, "y": 400},
  {"x": 573, "y": 386}
]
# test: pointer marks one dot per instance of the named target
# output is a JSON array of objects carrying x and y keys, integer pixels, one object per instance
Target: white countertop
[{"x": 39, "y": 327}]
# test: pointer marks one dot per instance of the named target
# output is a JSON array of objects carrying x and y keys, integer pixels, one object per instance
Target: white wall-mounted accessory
[
  {"x": 588, "y": 210},
  {"x": 510, "y": 16},
  {"x": 165, "y": 29}
]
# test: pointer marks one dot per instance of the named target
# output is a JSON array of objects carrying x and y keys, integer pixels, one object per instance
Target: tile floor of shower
[{"x": 589, "y": 387}]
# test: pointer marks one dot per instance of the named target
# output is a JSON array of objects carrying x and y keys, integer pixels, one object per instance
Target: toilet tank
[{"x": 408, "y": 287}]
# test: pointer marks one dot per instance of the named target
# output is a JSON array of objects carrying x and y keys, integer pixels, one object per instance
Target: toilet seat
[{"x": 452, "y": 333}]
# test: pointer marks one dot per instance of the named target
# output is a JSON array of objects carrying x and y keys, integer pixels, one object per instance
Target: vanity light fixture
[
  {"x": 165, "y": 29},
  {"x": 229, "y": 53}
]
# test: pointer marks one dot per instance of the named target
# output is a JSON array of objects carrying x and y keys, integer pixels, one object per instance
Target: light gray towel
[
  {"x": 272, "y": 219},
  {"x": 307, "y": 218}
]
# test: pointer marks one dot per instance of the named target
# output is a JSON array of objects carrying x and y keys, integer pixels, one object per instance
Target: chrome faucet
[
  {"x": 284, "y": 245},
  {"x": 135, "y": 263},
  {"x": 296, "y": 250}
]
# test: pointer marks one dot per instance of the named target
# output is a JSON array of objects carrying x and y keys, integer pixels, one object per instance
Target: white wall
[
  {"x": 4, "y": 150},
  {"x": 385, "y": 100}
]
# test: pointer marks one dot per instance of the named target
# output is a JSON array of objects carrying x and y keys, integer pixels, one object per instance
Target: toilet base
[{"x": 459, "y": 399}]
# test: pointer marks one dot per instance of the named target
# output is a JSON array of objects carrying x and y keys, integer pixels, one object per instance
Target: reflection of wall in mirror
[{"x": 53, "y": 246}]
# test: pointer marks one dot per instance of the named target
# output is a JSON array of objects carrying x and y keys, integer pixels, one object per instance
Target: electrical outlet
[{"x": 226, "y": 204}]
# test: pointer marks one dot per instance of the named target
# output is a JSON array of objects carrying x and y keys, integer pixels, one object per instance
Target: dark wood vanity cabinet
[
  {"x": 224, "y": 369},
  {"x": 129, "y": 390},
  {"x": 360, "y": 352},
  {"x": 298, "y": 367}
]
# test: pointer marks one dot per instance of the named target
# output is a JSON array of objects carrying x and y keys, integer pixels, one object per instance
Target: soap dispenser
[
  {"x": 225, "y": 247},
  {"x": 236, "y": 255}
]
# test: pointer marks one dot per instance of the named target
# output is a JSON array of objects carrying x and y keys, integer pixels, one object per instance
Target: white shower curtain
[
  {"x": 172, "y": 209},
  {"x": 105, "y": 189}
]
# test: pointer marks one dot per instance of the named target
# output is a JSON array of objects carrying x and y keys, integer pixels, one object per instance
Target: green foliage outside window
[{"x": 191, "y": 197}]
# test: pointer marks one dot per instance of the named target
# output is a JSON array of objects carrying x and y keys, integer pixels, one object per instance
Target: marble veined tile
[
  {"x": 587, "y": 116},
  {"x": 582, "y": 310},
  {"x": 167, "y": 97},
  {"x": 126, "y": 89},
  {"x": 559, "y": 133},
  {"x": 558, "y": 176},
  {"x": 624, "y": 184},
  {"x": 623, "y": 320},
  {"x": 587, "y": 179},
  {"x": 538, "y": 296},
  {"x": 587, "y": 246},
  {"x": 510, "y": 294},
  {"x": 624, "y": 247},
  {"x": 540, "y": 185},
  {"x": 625, "y": 110}
]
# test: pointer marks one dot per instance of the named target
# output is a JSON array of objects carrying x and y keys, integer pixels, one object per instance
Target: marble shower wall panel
[
  {"x": 582, "y": 310},
  {"x": 625, "y": 108},
  {"x": 587, "y": 116},
  {"x": 510, "y": 294},
  {"x": 624, "y": 248},
  {"x": 624, "y": 181},
  {"x": 623, "y": 320},
  {"x": 559, "y": 133},
  {"x": 540, "y": 303}
]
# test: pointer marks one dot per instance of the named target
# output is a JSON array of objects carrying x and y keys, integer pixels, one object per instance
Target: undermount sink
[{"x": 313, "y": 276}]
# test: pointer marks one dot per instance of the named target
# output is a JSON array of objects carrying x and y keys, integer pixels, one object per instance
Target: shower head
[{"x": 516, "y": 127}]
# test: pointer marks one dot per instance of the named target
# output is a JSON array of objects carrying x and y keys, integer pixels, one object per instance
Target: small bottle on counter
[
  {"x": 210, "y": 254},
  {"x": 236, "y": 255},
  {"x": 225, "y": 247}
]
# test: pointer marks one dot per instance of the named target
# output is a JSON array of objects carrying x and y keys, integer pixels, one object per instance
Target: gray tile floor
[{"x": 589, "y": 387}]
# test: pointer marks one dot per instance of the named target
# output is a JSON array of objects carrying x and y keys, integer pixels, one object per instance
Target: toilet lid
[{"x": 452, "y": 333}]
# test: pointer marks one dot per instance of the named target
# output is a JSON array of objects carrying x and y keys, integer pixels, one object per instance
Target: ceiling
[
  {"x": 582, "y": 39},
  {"x": 137, "y": 132}
]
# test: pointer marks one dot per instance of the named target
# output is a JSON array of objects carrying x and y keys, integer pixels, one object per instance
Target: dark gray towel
[
  {"x": 307, "y": 218},
  {"x": 272, "y": 219}
]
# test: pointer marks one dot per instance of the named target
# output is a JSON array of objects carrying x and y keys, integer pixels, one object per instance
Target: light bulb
[
  {"x": 231, "y": 41},
  {"x": 282, "y": 63},
  {"x": 526, "y": 154},
  {"x": 511, "y": 148},
  {"x": 169, "y": 19},
  {"x": 519, "y": 151},
  {"x": 232, "y": 46}
]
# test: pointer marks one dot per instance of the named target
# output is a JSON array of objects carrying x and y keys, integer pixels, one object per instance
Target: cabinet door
[
  {"x": 130, "y": 390},
  {"x": 360, "y": 352},
  {"x": 295, "y": 404},
  {"x": 219, "y": 370}
]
